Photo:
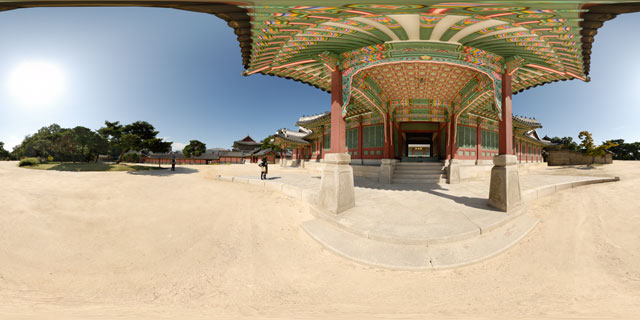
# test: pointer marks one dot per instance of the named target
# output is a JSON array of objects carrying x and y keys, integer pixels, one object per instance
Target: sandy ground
[{"x": 159, "y": 245}]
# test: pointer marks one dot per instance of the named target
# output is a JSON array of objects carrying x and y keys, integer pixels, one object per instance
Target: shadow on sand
[
  {"x": 164, "y": 172},
  {"x": 430, "y": 188}
]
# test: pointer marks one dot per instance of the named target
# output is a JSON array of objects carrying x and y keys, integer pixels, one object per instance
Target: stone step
[
  {"x": 419, "y": 164},
  {"x": 418, "y": 176},
  {"x": 418, "y": 171},
  {"x": 415, "y": 181},
  {"x": 419, "y": 256}
]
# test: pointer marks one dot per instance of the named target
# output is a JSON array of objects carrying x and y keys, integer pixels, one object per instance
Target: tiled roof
[
  {"x": 533, "y": 135},
  {"x": 307, "y": 121},
  {"x": 526, "y": 122},
  {"x": 247, "y": 143},
  {"x": 263, "y": 152},
  {"x": 292, "y": 136},
  {"x": 234, "y": 154},
  {"x": 204, "y": 156}
]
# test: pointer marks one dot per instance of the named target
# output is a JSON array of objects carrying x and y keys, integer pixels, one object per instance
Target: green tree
[
  {"x": 589, "y": 147},
  {"x": 268, "y": 143},
  {"x": 137, "y": 136},
  {"x": 4, "y": 154},
  {"x": 195, "y": 148},
  {"x": 112, "y": 132},
  {"x": 566, "y": 143},
  {"x": 586, "y": 145},
  {"x": 625, "y": 151},
  {"x": 88, "y": 143},
  {"x": 601, "y": 150}
]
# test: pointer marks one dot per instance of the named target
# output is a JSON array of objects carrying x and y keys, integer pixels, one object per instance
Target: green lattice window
[
  {"x": 466, "y": 137},
  {"x": 313, "y": 147},
  {"x": 373, "y": 136},
  {"x": 489, "y": 140},
  {"x": 327, "y": 141},
  {"x": 352, "y": 139}
]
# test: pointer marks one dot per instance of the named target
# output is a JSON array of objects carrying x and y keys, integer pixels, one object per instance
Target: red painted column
[
  {"x": 453, "y": 128},
  {"x": 447, "y": 148},
  {"x": 387, "y": 139},
  {"x": 360, "y": 139},
  {"x": 400, "y": 141},
  {"x": 505, "y": 132},
  {"x": 322, "y": 144},
  {"x": 392, "y": 153},
  {"x": 338, "y": 126},
  {"x": 478, "y": 141}
]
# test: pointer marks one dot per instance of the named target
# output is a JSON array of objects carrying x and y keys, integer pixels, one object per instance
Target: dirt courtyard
[{"x": 94, "y": 245}]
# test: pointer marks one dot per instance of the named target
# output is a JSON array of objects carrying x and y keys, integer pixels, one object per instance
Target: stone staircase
[{"x": 418, "y": 172}]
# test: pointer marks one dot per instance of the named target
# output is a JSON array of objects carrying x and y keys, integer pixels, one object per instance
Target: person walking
[
  {"x": 264, "y": 168},
  {"x": 173, "y": 163}
]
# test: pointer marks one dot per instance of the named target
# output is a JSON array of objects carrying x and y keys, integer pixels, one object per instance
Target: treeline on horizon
[
  {"x": 81, "y": 144},
  {"x": 114, "y": 140},
  {"x": 620, "y": 149}
]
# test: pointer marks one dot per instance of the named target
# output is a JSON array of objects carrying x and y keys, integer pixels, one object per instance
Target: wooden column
[
  {"x": 338, "y": 125},
  {"x": 392, "y": 153},
  {"x": 478, "y": 141},
  {"x": 453, "y": 128},
  {"x": 387, "y": 139},
  {"x": 506, "y": 127},
  {"x": 360, "y": 140},
  {"x": 447, "y": 144},
  {"x": 322, "y": 143},
  {"x": 400, "y": 142}
]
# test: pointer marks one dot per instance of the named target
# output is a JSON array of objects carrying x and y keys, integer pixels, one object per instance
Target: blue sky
[{"x": 181, "y": 71}]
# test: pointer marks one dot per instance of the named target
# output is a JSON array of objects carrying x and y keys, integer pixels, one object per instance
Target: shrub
[
  {"x": 132, "y": 158},
  {"x": 28, "y": 162}
]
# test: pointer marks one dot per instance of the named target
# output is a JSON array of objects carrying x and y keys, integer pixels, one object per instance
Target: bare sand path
[{"x": 160, "y": 245}]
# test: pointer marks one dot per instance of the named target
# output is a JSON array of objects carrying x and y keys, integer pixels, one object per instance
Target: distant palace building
[
  {"x": 243, "y": 151},
  {"x": 246, "y": 145}
]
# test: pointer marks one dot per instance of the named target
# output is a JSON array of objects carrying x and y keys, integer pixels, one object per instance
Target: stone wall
[{"x": 566, "y": 157}]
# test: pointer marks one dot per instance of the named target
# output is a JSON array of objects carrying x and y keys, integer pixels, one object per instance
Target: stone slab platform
[
  {"x": 419, "y": 257},
  {"x": 406, "y": 219}
]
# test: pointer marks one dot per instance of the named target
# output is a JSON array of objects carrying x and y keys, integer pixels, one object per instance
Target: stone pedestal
[
  {"x": 283, "y": 162},
  {"x": 386, "y": 170},
  {"x": 453, "y": 171},
  {"x": 504, "y": 191},
  {"x": 336, "y": 186}
]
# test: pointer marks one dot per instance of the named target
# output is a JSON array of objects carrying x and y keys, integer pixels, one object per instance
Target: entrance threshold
[{"x": 420, "y": 159}]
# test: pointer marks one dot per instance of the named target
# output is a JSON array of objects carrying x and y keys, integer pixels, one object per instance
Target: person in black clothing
[
  {"x": 264, "y": 168},
  {"x": 173, "y": 163}
]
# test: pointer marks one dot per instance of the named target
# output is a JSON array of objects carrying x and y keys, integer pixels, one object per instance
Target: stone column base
[
  {"x": 504, "y": 191},
  {"x": 386, "y": 170},
  {"x": 453, "y": 172},
  {"x": 336, "y": 187}
]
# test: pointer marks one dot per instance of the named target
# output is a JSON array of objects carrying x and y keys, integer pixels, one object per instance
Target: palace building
[
  {"x": 411, "y": 81},
  {"x": 413, "y": 141}
]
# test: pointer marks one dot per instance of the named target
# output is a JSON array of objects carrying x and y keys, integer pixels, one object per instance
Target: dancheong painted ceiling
[{"x": 537, "y": 41}]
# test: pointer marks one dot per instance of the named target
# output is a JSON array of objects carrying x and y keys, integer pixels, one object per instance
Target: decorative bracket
[
  {"x": 330, "y": 60},
  {"x": 513, "y": 64}
]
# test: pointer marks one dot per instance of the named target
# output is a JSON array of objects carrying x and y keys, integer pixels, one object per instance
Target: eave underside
[{"x": 519, "y": 29}]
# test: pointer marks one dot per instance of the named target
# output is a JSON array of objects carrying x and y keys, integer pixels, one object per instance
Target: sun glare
[{"x": 36, "y": 83}]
